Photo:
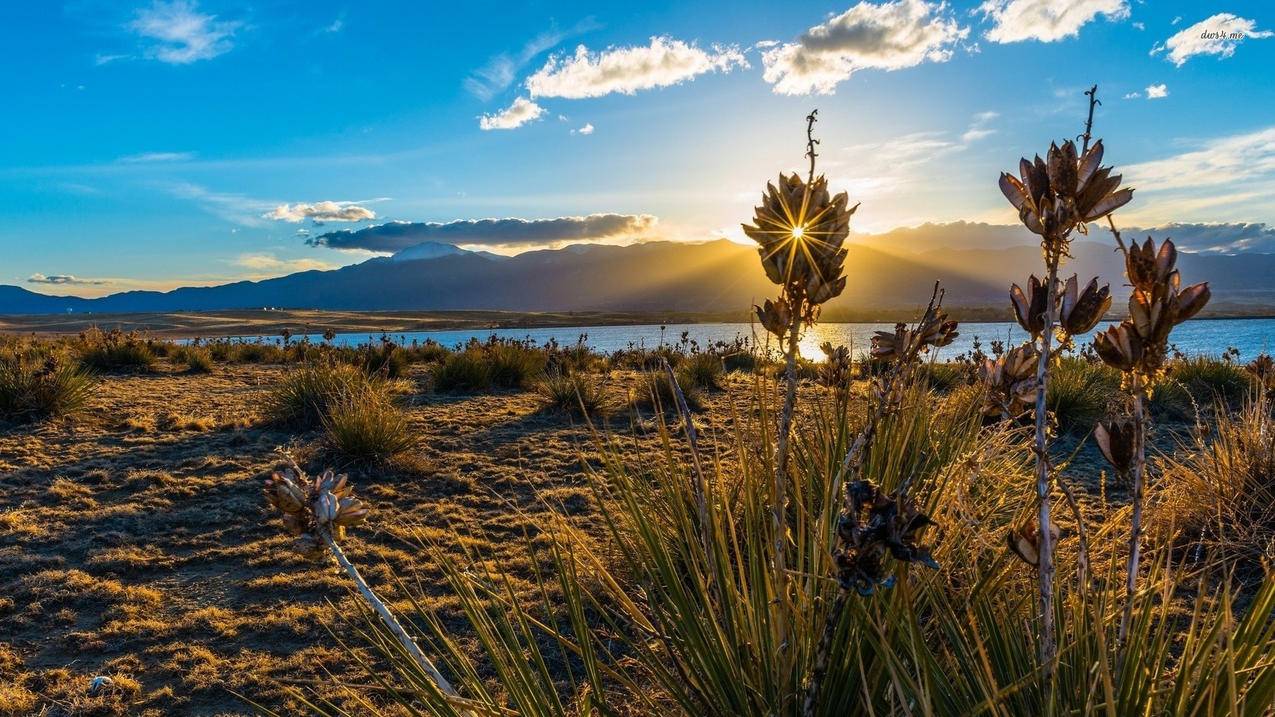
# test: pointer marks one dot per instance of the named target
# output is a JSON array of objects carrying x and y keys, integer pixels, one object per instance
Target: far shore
[{"x": 266, "y": 322}]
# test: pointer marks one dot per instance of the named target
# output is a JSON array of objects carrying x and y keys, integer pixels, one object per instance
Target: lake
[{"x": 1201, "y": 336}]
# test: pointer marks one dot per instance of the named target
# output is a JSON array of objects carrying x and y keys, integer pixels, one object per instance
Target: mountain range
[{"x": 717, "y": 276}]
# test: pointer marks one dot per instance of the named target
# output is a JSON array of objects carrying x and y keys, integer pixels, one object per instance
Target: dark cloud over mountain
[{"x": 512, "y": 232}]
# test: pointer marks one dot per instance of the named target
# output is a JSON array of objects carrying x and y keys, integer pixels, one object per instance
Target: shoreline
[{"x": 273, "y": 322}]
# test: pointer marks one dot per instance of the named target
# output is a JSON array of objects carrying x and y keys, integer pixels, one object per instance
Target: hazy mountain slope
[{"x": 715, "y": 276}]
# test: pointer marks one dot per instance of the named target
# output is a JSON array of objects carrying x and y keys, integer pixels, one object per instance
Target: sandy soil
[{"x": 135, "y": 544}]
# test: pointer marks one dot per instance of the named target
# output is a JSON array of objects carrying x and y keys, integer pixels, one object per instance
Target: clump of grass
[
  {"x": 703, "y": 371},
  {"x": 1219, "y": 496},
  {"x": 115, "y": 351},
  {"x": 655, "y": 392},
  {"x": 1079, "y": 392},
  {"x": 945, "y": 377},
  {"x": 364, "y": 424},
  {"x": 197, "y": 358},
  {"x": 35, "y": 387},
  {"x": 514, "y": 365},
  {"x": 572, "y": 393},
  {"x": 1201, "y": 381},
  {"x": 386, "y": 360},
  {"x": 462, "y": 371},
  {"x": 305, "y": 395},
  {"x": 743, "y": 361}
]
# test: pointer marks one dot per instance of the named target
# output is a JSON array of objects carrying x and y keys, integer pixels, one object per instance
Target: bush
[
  {"x": 745, "y": 361},
  {"x": 701, "y": 370},
  {"x": 196, "y": 358},
  {"x": 513, "y": 365},
  {"x": 572, "y": 393},
  {"x": 256, "y": 352},
  {"x": 364, "y": 424},
  {"x": 429, "y": 351},
  {"x": 304, "y": 396},
  {"x": 387, "y": 360},
  {"x": 115, "y": 350},
  {"x": 945, "y": 377},
  {"x": 1079, "y": 392},
  {"x": 495, "y": 364},
  {"x": 34, "y": 386}
]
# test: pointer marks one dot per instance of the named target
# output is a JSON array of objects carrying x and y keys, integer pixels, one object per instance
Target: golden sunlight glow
[{"x": 798, "y": 232}]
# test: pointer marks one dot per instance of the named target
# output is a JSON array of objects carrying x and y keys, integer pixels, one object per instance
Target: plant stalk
[
  {"x": 780, "y": 506},
  {"x": 1048, "y": 650},
  {"x": 1135, "y": 528},
  {"x": 387, "y": 617}
]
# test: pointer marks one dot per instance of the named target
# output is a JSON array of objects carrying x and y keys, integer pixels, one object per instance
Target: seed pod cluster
[
  {"x": 1157, "y": 303},
  {"x": 1057, "y": 194},
  {"x": 836, "y": 370},
  {"x": 801, "y": 230},
  {"x": 1010, "y": 380},
  {"x": 878, "y": 525},
  {"x": 904, "y": 344},
  {"x": 310, "y": 505},
  {"x": 1024, "y": 541}
]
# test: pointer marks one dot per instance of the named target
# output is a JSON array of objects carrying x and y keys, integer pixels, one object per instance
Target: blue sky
[{"x": 155, "y": 144}]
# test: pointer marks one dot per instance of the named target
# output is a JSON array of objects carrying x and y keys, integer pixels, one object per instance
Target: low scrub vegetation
[
  {"x": 577, "y": 394},
  {"x": 35, "y": 385},
  {"x": 363, "y": 424},
  {"x": 306, "y": 394},
  {"x": 115, "y": 351}
]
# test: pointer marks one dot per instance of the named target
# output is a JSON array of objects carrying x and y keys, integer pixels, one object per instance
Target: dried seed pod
[
  {"x": 775, "y": 317},
  {"x": 876, "y": 524},
  {"x": 1191, "y": 300},
  {"x": 1010, "y": 380},
  {"x": 1120, "y": 347},
  {"x": 1024, "y": 541},
  {"x": 1030, "y": 305},
  {"x": 1081, "y": 310},
  {"x": 1115, "y": 439}
]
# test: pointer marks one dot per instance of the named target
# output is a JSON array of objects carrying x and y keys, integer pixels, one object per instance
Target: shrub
[
  {"x": 701, "y": 370},
  {"x": 115, "y": 350},
  {"x": 363, "y": 423},
  {"x": 1079, "y": 392},
  {"x": 745, "y": 361},
  {"x": 197, "y": 358},
  {"x": 256, "y": 352},
  {"x": 429, "y": 351},
  {"x": 945, "y": 377},
  {"x": 34, "y": 386},
  {"x": 572, "y": 393},
  {"x": 1201, "y": 381},
  {"x": 387, "y": 360},
  {"x": 304, "y": 396}
]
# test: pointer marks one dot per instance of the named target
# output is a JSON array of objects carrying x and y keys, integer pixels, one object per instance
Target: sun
[{"x": 798, "y": 232}]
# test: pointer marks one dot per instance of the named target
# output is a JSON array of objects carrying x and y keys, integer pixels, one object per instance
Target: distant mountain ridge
[{"x": 717, "y": 276}]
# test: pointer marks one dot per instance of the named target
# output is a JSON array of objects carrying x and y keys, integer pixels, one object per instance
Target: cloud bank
[
  {"x": 888, "y": 36},
  {"x": 1046, "y": 20},
  {"x": 626, "y": 70},
  {"x": 510, "y": 232}
]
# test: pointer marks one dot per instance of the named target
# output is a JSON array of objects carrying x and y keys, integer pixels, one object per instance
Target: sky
[{"x": 148, "y": 145}]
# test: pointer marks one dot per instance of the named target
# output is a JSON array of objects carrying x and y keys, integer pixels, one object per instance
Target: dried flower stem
[
  {"x": 1092, "y": 94},
  {"x": 1135, "y": 526},
  {"x": 1048, "y": 650},
  {"x": 1083, "y": 558}
]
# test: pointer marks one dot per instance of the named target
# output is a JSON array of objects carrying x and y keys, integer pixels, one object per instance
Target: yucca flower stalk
[
  {"x": 1054, "y": 197},
  {"x": 318, "y": 510},
  {"x": 874, "y": 524},
  {"x": 1137, "y": 347},
  {"x": 800, "y": 229}
]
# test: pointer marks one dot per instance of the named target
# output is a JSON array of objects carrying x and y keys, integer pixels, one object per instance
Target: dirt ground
[{"x": 135, "y": 543}]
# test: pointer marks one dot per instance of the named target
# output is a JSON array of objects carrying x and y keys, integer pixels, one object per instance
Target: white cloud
[
  {"x": 499, "y": 71},
  {"x": 64, "y": 280},
  {"x": 1218, "y": 35},
  {"x": 586, "y": 129},
  {"x": 1177, "y": 19},
  {"x": 148, "y": 157},
  {"x": 978, "y": 128},
  {"x": 1046, "y": 20},
  {"x": 179, "y": 34},
  {"x": 1138, "y": 25},
  {"x": 514, "y": 116},
  {"x": 270, "y": 264},
  {"x": 626, "y": 70},
  {"x": 888, "y": 36},
  {"x": 1220, "y": 161},
  {"x": 1132, "y": 95},
  {"x": 1155, "y": 92},
  {"x": 326, "y": 211}
]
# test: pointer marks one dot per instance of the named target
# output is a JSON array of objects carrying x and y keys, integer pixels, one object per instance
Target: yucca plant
[
  {"x": 800, "y": 228},
  {"x": 1054, "y": 197},
  {"x": 1137, "y": 347},
  {"x": 36, "y": 385}
]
